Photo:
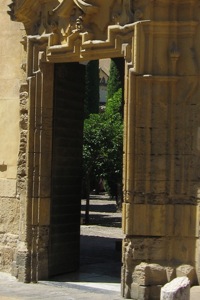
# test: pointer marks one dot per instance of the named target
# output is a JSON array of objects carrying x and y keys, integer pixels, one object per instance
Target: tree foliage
[
  {"x": 114, "y": 81},
  {"x": 103, "y": 143}
]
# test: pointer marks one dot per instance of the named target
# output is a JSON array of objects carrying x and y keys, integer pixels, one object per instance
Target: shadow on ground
[
  {"x": 100, "y": 245},
  {"x": 102, "y": 212}
]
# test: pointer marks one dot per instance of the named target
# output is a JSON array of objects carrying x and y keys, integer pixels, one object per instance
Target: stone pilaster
[{"x": 160, "y": 213}]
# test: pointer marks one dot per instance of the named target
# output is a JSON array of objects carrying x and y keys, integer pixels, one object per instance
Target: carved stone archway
[{"x": 160, "y": 183}]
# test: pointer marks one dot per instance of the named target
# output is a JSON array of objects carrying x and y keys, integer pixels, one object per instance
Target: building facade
[{"x": 41, "y": 88}]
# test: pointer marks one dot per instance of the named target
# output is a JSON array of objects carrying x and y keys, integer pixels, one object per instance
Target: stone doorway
[
  {"x": 43, "y": 51},
  {"x": 161, "y": 145},
  {"x": 66, "y": 172}
]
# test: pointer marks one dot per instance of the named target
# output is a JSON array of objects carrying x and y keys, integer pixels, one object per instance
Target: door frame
[{"x": 41, "y": 56}]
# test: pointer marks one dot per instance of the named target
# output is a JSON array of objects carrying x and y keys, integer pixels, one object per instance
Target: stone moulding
[
  {"x": 121, "y": 42},
  {"x": 79, "y": 48},
  {"x": 74, "y": 31}
]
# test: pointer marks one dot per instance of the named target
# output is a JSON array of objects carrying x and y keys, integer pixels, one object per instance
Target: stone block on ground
[
  {"x": 177, "y": 289},
  {"x": 145, "y": 292},
  {"x": 150, "y": 274},
  {"x": 189, "y": 271}
]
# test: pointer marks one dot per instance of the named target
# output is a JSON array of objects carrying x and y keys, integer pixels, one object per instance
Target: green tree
[
  {"x": 116, "y": 76},
  {"x": 92, "y": 162},
  {"x": 113, "y": 174},
  {"x": 91, "y": 88},
  {"x": 102, "y": 146},
  {"x": 116, "y": 80}
]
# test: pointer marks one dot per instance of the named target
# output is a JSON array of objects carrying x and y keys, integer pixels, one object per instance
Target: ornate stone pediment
[
  {"x": 91, "y": 18},
  {"x": 69, "y": 16},
  {"x": 70, "y": 27},
  {"x": 75, "y": 30}
]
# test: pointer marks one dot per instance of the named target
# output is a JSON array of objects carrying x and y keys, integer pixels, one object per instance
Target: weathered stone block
[
  {"x": 7, "y": 188},
  {"x": 134, "y": 290},
  {"x": 171, "y": 273},
  {"x": 14, "y": 270},
  {"x": 141, "y": 274},
  {"x": 149, "y": 274},
  {"x": 178, "y": 288},
  {"x": 6, "y": 256},
  {"x": 9, "y": 215},
  {"x": 155, "y": 292},
  {"x": 157, "y": 275},
  {"x": 145, "y": 292},
  {"x": 189, "y": 271},
  {"x": 160, "y": 220}
]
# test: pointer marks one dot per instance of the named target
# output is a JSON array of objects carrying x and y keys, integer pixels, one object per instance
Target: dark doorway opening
[{"x": 94, "y": 254}]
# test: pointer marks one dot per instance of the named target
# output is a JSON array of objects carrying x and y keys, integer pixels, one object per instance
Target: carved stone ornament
[
  {"x": 92, "y": 16},
  {"x": 68, "y": 25}
]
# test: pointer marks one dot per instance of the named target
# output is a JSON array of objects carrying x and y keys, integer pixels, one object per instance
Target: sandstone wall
[
  {"x": 161, "y": 209},
  {"x": 10, "y": 79}
]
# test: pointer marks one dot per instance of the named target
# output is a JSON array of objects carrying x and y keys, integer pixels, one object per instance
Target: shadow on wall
[{"x": 3, "y": 167}]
